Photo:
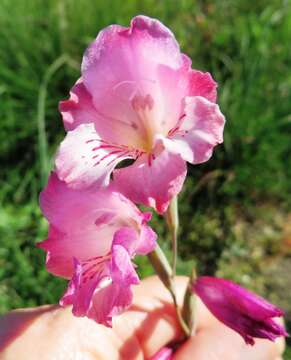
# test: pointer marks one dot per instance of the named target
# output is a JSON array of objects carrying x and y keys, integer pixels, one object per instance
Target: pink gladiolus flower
[
  {"x": 93, "y": 235},
  {"x": 138, "y": 98},
  {"x": 241, "y": 310}
]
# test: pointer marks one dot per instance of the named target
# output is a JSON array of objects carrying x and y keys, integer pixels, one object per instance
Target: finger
[
  {"x": 152, "y": 318},
  {"x": 56, "y": 334},
  {"x": 210, "y": 344},
  {"x": 215, "y": 341},
  {"x": 275, "y": 349},
  {"x": 216, "y": 344},
  {"x": 150, "y": 324},
  {"x": 13, "y": 324},
  {"x": 264, "y": 349}
]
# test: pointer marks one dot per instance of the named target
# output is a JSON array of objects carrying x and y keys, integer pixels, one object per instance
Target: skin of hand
[{"x": 53, "y": 333}]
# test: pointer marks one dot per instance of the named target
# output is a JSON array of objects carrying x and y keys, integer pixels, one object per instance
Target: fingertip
[{"x": 153, "y": 314}]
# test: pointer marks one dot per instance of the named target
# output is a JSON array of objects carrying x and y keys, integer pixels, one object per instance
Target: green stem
[
  {"x": 188, "y": 310},
  {"x": 172, "y": 217},
  {"x": 163, "y": 269}
]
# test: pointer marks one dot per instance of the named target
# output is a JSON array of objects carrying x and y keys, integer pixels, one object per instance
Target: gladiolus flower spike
[{"x": 137, "y": 98}]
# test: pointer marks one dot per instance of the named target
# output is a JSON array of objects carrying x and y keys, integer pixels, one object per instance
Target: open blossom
[
  {"x": 93, "y": 235},
  {"x": 139, "y": 99},
  {"x": 241, "y": 310}
]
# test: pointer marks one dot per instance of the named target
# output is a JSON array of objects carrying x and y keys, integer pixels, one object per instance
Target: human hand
[{"x": 50, "y": 332}]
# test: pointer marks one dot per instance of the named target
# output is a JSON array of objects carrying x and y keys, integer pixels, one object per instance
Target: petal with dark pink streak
[
  {"x": 83, "y": 158},
  {"x": 200, "y": 131},
  {"x": 152, "y": 183}
]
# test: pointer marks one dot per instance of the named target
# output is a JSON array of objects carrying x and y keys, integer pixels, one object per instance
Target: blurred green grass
[{"x": 234, "y": 210}]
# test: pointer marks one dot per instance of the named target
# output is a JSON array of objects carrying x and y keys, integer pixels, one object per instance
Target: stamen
[
  {"x": 150, "y": 158},
  {"x": 176, "y": 129},
  {"x": 140, "y": 102},
  {"x": 118, "y": 157},
  {"x": 106, "y": 156},
  {"x": 121, "y": 150}
]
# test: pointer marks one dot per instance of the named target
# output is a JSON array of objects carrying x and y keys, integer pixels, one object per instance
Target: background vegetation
[{"x": 235, "y": 210}]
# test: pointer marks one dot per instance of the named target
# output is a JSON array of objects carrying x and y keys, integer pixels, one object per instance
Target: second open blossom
[
  {"x": 93, "y": 236},
  {"x": 138, "y": 98}
]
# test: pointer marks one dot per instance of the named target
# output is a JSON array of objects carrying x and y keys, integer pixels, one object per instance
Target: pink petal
[
  {"x": 136, "y": 243},
  {"x": 62, "y": 205},
  {"x": 96, "y": 296},
  {"x": 80, "y": 225},
  {"x": 80, "y": 292},
  {"x": 202, "y": 84},
  {"x": 199, "y": 83},
  {"x": 72, "y": 215},
  {"x": 169, "y": 95},
  {"x": 108, "y": 302},
  {"x": 152, "y": 183},
  {"x": 118, "y": 71},
  {"x": 122, "y": 270},
  {"x": 123, "y": 54},
  {"x": 200, "y": 131},
  {"x": 174, "y": 86},
  {"x": 119, "y": 65},
  {"x": 83, "y": 160},
  {"x": 79, "y": 108},
  {"x": 57, "y": 260},
  {"x": 103, "y": 292},
  {"x": 128, "y": 238},
  {"x": 113, "y": 298},
  {"x": 147, "y": 240}
]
